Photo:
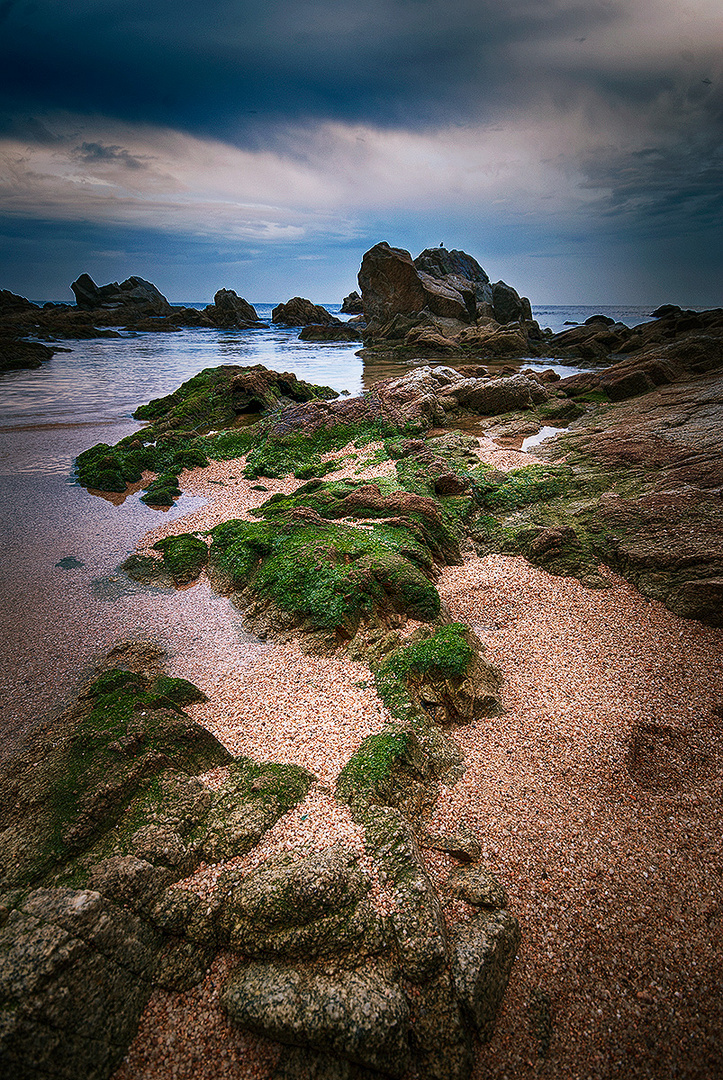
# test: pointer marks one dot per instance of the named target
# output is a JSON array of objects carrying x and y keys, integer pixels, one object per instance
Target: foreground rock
[{"x": 99, "y": 824}]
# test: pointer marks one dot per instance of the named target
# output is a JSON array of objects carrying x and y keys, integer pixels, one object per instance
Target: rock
[
  {"x": 478, "y": 887},
  {"x": 460, "y": 694},
  {"x": 135, "y": 293},
  {"x": 129, "y": 880},
  {"x": 484, "y": 952},
  {"x": 297, "y": 905},
  {"x": 461, "y": 844},
  {"x": 418, "y": 925},
  {"x": 352, "y": 304},
  {"x": 230, "y": 311},
  {"x": 296, "y": 1063},
  {"x": 257, "y": 389},
  {"x": 300, "y": 312},
  {"x": 335, "y": 331},
  {"x": 11, "y": 303},
  {"x": 391, "y": 285},
  {"x": 489, "y": 397},
  {"x": 362, "y": 1016},
  {"x": 492, "y": 341},
  {"x": 16, "y": 354},
  {"x": 462, "y": 272},
  {"x": 508, "y": 305},
  {"x": 75, "y": 976}
]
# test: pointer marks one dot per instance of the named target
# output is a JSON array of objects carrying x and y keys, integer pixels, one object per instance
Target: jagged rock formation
[
  {"x": 441, "y": 303},
  {"x": 135, "y": 293},
  {"x": 352, "y": 304}
]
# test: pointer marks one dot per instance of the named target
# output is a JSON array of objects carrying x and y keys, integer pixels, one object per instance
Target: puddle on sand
[{"x": 543, "y": 434}]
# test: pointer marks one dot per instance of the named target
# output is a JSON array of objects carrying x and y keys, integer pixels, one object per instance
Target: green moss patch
[
  {"x": 328, "y": 577},
  {"x": 185, "y": 556},
  {"x": 445, "y": 654}
]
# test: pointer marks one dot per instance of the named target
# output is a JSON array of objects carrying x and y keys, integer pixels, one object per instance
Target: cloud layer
[{"x": 565, "y": 123}]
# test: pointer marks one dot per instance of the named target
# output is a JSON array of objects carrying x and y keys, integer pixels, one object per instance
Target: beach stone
[
  {"x": 478, "y": 887},
  {"x": 484, "y": 951},
  {"x": 461, "y": 844},
  {"x": 363, "y": 1016},
  {"x": 300, "y": 312}
]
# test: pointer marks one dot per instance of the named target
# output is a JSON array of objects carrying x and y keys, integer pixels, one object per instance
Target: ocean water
[{"x": 60, "y": 602}]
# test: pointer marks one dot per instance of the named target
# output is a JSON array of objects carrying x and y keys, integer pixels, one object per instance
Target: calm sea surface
[{"x": 56, "y": 620}]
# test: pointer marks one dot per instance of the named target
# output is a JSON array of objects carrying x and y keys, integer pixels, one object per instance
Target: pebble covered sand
[{"x": 616, "y": 886}]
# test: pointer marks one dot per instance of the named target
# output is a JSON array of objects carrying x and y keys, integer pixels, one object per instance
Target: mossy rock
[
  {"x": 185, "y": 556},
  {"x": 327, "y": 578},
  {"x": 163, "y": 491},
  {"x": 389, "y": 769},
  {"x": 112, "y": 751},
  {"x": 441, "y": 674}
]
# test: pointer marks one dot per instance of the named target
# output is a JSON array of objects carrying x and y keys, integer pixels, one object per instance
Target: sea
[{"x": 63, "y": 603}]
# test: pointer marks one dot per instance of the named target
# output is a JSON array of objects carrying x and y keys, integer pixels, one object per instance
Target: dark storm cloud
[
  {"x": 216, "y": 66},
  {"x": 94, "y": 152}
]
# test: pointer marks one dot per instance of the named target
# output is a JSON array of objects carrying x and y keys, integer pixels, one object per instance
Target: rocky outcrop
[
  {"x": 231, "y": 312},
  {"x": 300, "y": 312},
  {"x": 391, "y": 285},
  {"x": 134, "y": 292},
  {"x": 442, "y": 303},
  {"x": 352, "y": 304},
  {"x": 109, "y": 798},
  {"x": 343, "y": 951}
]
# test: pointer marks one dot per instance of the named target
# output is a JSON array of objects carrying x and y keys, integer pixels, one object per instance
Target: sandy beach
[{"x": 611, "y": 858}]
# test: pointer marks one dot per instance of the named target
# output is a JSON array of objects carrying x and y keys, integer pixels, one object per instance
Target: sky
[{"x": 574, "y": 147}]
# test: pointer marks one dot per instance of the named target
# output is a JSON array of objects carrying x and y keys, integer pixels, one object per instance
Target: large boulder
[
  {"x": 462, "y": 272},
  {"x": 230, "y": 311},
  {"x": 391, "y": 285},
  {"x": 134, "y": 292},
  {"x": 508, "y": 305},
  {"x": 300, "y": 312}
]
